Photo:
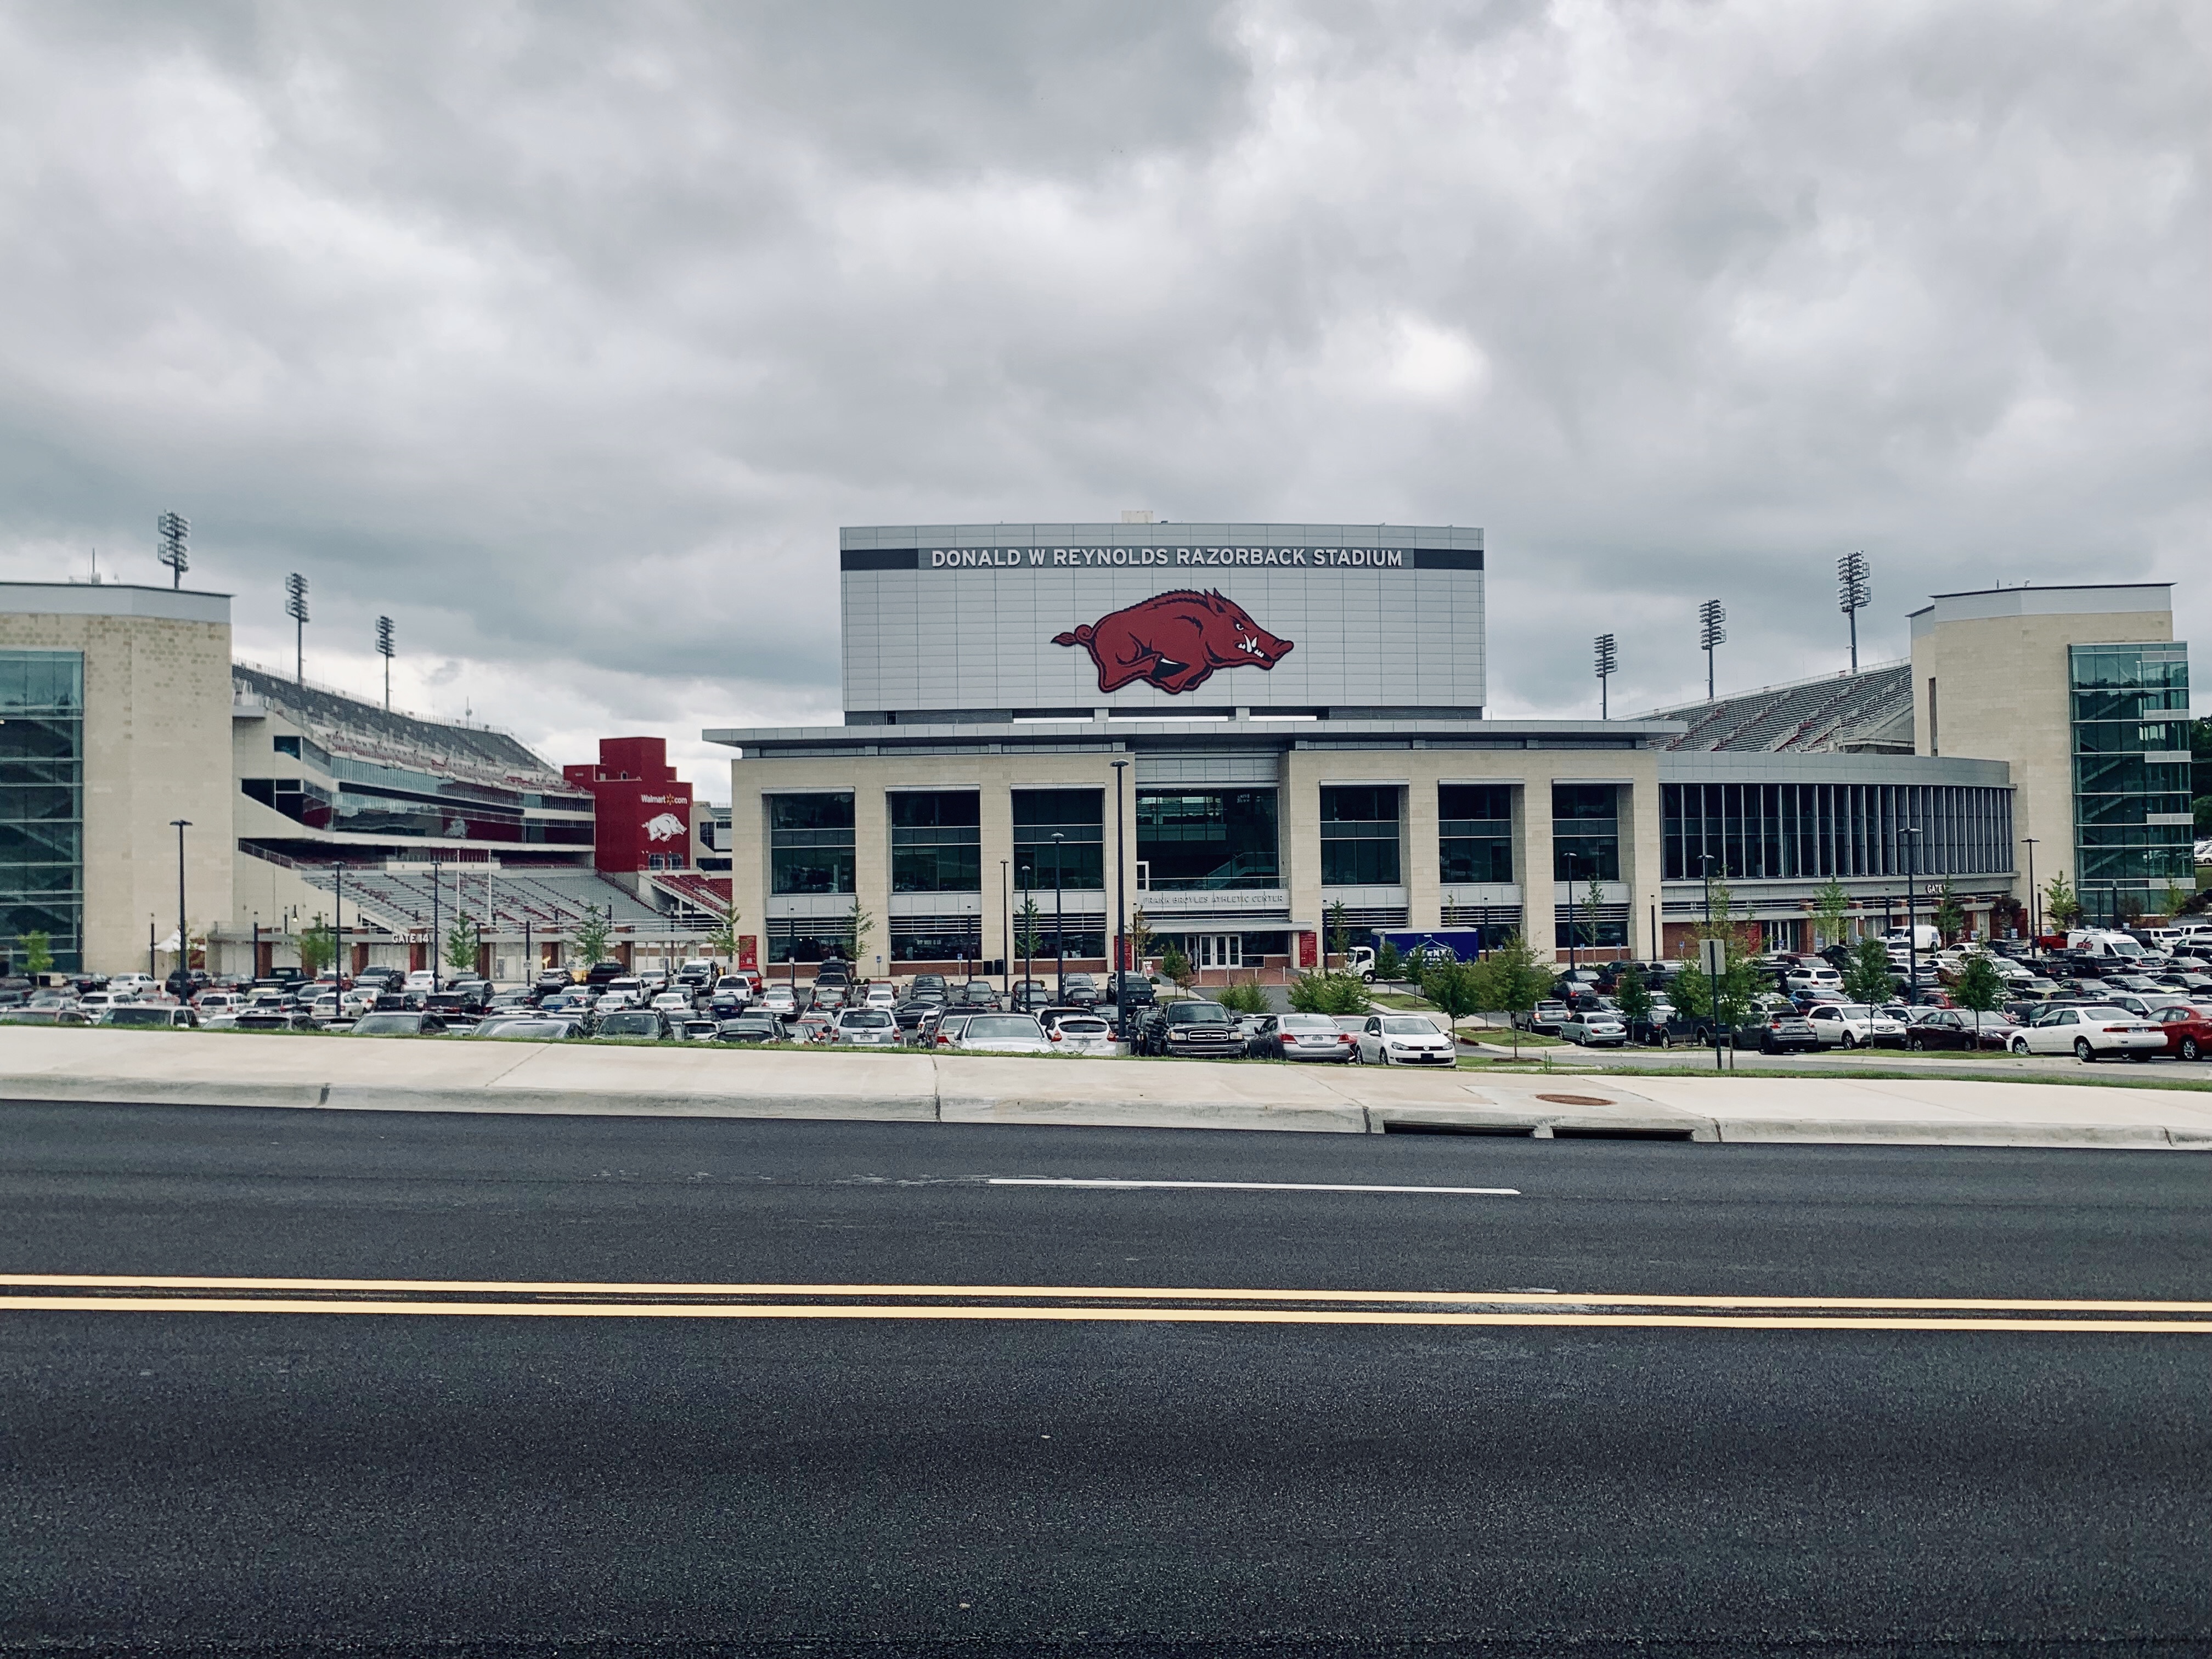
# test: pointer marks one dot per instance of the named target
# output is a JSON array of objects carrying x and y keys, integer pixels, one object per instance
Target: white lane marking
[{"x": 1248, "y": 1185}]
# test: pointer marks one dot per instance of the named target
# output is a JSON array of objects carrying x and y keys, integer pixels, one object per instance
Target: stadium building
[{"x": 1228, "y": 735}]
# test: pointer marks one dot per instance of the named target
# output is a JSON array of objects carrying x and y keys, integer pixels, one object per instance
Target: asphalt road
[{"x": 265, "y": 1481}]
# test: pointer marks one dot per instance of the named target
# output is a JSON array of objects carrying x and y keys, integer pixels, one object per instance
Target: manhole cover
[{"x": 1576, "y": 1100}]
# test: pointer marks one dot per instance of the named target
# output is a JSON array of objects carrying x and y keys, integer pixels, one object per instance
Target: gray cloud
[{"x": 568, "y": 335}]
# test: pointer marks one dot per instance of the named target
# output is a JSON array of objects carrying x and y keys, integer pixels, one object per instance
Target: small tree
[
  {"x": 1950, "y": 915},
  {"x": 1978, "y": 988},
  {"x": 1175, "y": 965},
  {"x": 2177, "y": 896},
  {"x": 1586, "y": 923},
  {"x": 1326, "y": 992},
  {"x": 1245, "y": 998},
  {"x": 1831, "y": 911},
  {"x": 1511, "y": 979},
  {"x": 1451, "y": 985},
  {"x": 318, "y": 946},
  {"x": 1866, "y": 972},
  {"x": 722, "y": 937},
  {"x": 38, "y": 953},
  {"x": 1140, "y": 938},
  {"x": 860, "y": 925},
  {"x": 1029, "y": 935},
  {"x": 2062, "y": 905},
  {"x": 1388, "y": 965},
  {"x": 591, "y": 933},
  {"x": 1635, "y": 996},
  {"x": 462, "y": 940},
  {"x": 1339, "y": 930}
]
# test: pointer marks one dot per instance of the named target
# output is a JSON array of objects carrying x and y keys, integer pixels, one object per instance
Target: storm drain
[
  {"x": 1523, "y": 1130},
  {"x": 1607, "y": 1132}
]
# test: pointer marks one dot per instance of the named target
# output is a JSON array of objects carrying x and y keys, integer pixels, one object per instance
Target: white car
[
  {"x": 1598, "y": 1028},
  {"x": 2092, "y": 1033},
  {"x": 1006, "y": 1034},
  {"x": 779, "y": 1001},
  {"x": 674, "y": 1002},
  {"x": 1815, "y": 977},
  {"x": 99, "y": 1002},
  {"x": 864, "y": 1027},
  {"x": 130, "y": 983},
  {"x": 880, "y": 996},
  {"x": 421, "y": 980},
  {"x": 1853, "y": 1025},
  {"x": 1408, "y": 1039},
  {"x": 1081, "y": 1034}
]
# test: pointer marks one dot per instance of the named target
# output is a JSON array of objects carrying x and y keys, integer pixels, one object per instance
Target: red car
[{"x": 2188, "y": 1029}]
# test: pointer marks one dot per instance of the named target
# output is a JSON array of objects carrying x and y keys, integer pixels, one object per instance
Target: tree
[
  {"x": 38, "y": 953},
  {"x": 1726, "y": 999},
  {"x": 591, "y": 933},
  {"x": 1586, "y": 923},
  {"x": 1866, "y": 973},
  {"x": 2061, "y": 908},
  {"x": 1831, "y": 912},
  {"x": 1175, "y": 965},
  {"x": 1451, "y": 987},
  {"x": 1140, "y": 938},
  {"x": 1245, "y": 998},
  {"x": 722, "y": 937},
  {"x": 1339, "y": 930},
  {"x": 1634, "y": 996},
  {"x": 318, "y": 946},
  {"x": 1029, "y": 935},
  {"x": 1978, "y": 988},
  {"x": 1388, "y": 965},
  {"x": 1326, "y": 992},
  {"x": 1511, "y": 979},
  {"x": 1949, "y": 915},
  {"x": 462, "y": 940},
  {"x": 860, "y": 925},
  {"x": 2177, "y": 896}
]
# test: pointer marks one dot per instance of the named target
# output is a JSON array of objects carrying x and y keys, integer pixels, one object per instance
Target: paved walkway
[{"x": 242, "y": 1069}]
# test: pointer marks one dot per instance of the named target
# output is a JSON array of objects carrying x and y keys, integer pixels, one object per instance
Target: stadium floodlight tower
[
  {"x": 384, "y": 650},
  {"x": 295, "y": 607},
  {"x": 1711, "y": 616},
  {"x": 1609, "y": 665},
  {"x": 175, "y": 533},
  {"x": 1853, "y": 590}
]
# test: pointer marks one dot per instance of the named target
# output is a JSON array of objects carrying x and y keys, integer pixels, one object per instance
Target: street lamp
[
  {"x": 1028, "y": 927},
  {"x": 2034, "y": 897},
  {"x": 434, "y": 924},
  {"x": 1572, "y": 915},
  {"x": 183, "y": 948},
  {"x": 1006, "y": 932},
  {"x": 1712, "y": 981},
  {"x": 1059, "y": 924},
  {"x": 1911, "y": 932},
  {"x": 337, "y": 941},
  {"x": 1121, "y": 887}
]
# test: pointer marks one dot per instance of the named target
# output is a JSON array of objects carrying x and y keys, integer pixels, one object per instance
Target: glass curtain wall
[
  {"x": 1079, "y": 816},
  {"x": 1585, "y": 832},
  {"x": 809, "y": 844},
  {"x": 937, "y": 841},
  {"x": 1809, "y": 831},
  {"x": 1359, "y": 837},
  {"x": 1207, "y": 839},
  {"x": 1475, "y": 832},
  {"x": 42, "y": 804},
  {"x": 2132, "y": 823}
]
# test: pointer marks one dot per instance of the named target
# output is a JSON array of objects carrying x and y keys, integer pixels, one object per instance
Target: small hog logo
[
  {"x": 1174, "y": 641},
  {"x": 664, "y": 827}
]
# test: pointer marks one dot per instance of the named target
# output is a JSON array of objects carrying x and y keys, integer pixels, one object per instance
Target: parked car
[
  {"x": 750, "y": 1028},
  {"x": 1191, "y": 1029},
  {"x": 1854, "y": 1025},
  {"x": 649, "y": 1023},
  {"x": 2091, "y": 1033},
  {"x": 1594, "y": 1027},
  {"x": 388, "y": 1025},
  {"x": 2188, "y": 1028},
  {"x": 1300, "y": 1037},
  {"x": 779, "y": 1000},
  {"x": 1785, "y": 1030},
  {"x": 865, "y": 1028},
  {"x": 1403, "y": 1040},
  {"x": 1081, "y": 1034},
  {"x": 812, "y": 1026},
  {"x": 827, "y": 999},
  {"x": 1003, "y": 1034},
  {"x": 148, "y": 1014},
  {"x": 944, "y": 1030},
  {"x": 44, "y": 1016},
  {"x": 1814, "y": 976},
  {"x": 1960, "y": 1028},
  {"x": 536, "y": 1028},
  {"x": 884, "y": 996},
  {"x": 1083, "y": 990}
]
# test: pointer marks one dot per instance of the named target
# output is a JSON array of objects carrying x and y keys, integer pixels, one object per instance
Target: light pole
[
  {"x": 1006, "y": 932},
  {"x": 256, "y": 973},
  {"x": 175, "y": 533},
  {"x": 183, "y": 946},
  {"x": 2034, "y": 898},
  {"x": 1609, "y": 665},
  {"x": 295, "y": 607},
  {"x": 1853, "y": 591},
  {"x": 1712, "y": 981},
  {"x": 434, "y": 924},
  {"x": 337, "y": 942},
  {"x": 1059, "y": 924},
  {"x": 1573, "y": 912},
  {"x": 1710, "y": 633},
  {"x": 1028, "y": 927},
  {"x": 384, "y": 650},
  {"x": 1121, "y": 886},
  {"x": 1911, "y": 932}
]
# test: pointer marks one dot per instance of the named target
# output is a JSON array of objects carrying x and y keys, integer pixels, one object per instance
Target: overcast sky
[{"x": 568, "y": 335}]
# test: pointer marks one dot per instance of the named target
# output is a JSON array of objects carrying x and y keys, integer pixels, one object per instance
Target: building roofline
[
  {"x": 1245, "y": 731},
  {"x": 1784, "y": 685},
  {"x": 140, "y": 599}
]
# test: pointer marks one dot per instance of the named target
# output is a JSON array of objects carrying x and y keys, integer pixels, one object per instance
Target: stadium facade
[{"x": 1241, "y": 731}]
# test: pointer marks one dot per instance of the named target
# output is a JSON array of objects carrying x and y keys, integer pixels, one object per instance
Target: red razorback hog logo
[{"x": 1174, "y": 641}]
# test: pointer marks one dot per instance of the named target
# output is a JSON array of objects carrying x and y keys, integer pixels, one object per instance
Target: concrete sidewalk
[{"x": 243, "y": 1069}]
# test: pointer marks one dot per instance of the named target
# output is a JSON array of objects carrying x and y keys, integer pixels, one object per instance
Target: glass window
[
  {"x": 936, "y": 842},
  {"x": 2130, "y": 708},
  {"x": 1078, "y": 817},
  {"x": 810, "y": 844},
  {"x": 1475, "y": 832},
  {"x": 1359, "y": 836},
  {"x": 1206, "y": 839},
  {"x": 1585, "y": 832},
  {"x": 42, "y": 804}
]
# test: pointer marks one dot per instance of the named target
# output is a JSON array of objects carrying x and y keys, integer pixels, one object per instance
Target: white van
[{"x": 2101, "y": 942}]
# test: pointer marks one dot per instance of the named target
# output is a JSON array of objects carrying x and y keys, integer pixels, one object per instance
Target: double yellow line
[{"x": 502, "y": 1298}]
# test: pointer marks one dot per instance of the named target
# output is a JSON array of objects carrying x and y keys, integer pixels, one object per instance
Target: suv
[
  {"x": 1192, "y": 1030},
  {"x": 604, "y": 973}
]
